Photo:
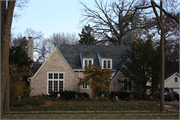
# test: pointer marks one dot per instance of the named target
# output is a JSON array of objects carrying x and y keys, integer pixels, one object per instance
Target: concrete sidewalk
[
  {"x": 88, "y": 112},
  {"x": 135, "y": 111}
]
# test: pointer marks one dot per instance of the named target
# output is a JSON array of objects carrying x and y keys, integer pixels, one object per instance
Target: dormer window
[
  {"x": 107, "y": 63},
  {"x": 87, "y": 61}
]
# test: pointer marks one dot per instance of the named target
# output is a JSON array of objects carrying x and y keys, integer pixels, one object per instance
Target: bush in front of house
[
  {"x": 69, "y": 95},
  {"x": 106, "y": 94},
  {"x": 34, "y": 101},
  {"x": 18, "y": 103},
  {"x": 37, "y": 102},
  {"x": 122, "y": 95}
]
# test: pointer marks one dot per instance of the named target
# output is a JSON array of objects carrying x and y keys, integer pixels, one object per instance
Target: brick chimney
[{"x": 30, "y": 48}]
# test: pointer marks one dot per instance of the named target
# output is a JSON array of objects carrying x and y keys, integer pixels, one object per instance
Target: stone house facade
[{"x": 65, "y": 65}]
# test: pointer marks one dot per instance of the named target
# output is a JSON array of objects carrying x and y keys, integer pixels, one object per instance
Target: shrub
[
  {"x": 36, "y": 102},
  {"x": 84, "y": 95},
  {"x": 104, "y": 99},
  {"x": 122, "y": 95},
  {"x": 138, "y": 96},
  {"x": 18, "y": 103},
  {"x": 106, "y": 94},
  {"x": 69, "y": 95}
]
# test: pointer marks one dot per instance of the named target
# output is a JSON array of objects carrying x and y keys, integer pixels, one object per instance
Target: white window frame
[
  {"x": 83, "y": 86},
  {"x": 88, "y": 59},
  {"x": 128, "y": 85},
  {"x": 55, "y": 80},
  {"x": 106, "y": 63}
]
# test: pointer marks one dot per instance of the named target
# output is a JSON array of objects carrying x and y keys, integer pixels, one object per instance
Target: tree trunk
[
  {"x": 160, "y": 22},
  {"x": 162, "y": 60},
  {"x": 6, "y": 21}
]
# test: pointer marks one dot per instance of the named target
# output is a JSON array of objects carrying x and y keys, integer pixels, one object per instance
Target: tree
[
  {"x": 16, "y": 53},
  {"x": 113, "y": 20},
  {"x": 34, "y": 34},
  {"x": 19, "y": 69},
  {"x": 159, "y": 18},
  {"x": 57, "y": 39},
  {"x": 7, "y": 8},
  {"x": 171, "y": 27},
  {"x": 172, "y": 51},
  {"x": 160, "y": 22},
  {"x": 86, "y": 37},
  {"x": 18, "y": 81},
  {"x": 99, "y": 79},
  {"x": 15, "y": 41},
  {"x": 171, "y": 47},
  {"x": 140, "y": 65}
]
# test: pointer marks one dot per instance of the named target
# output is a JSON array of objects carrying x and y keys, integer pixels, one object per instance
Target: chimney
[{"x": 30, "y": 48}]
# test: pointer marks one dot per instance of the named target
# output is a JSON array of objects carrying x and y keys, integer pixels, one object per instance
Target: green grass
[
  {"x": 92, "y": 116},
  {"x": 151, "y": 111},
  {"x": 93, "y": 106}
]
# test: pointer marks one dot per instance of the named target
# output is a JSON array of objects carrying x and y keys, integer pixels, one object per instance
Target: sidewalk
[
  {"x": 89, "y": 112},
  {"x": 68, "y": 112}
]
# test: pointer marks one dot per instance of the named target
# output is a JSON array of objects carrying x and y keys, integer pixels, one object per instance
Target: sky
[{"x": 50, "y": 16}]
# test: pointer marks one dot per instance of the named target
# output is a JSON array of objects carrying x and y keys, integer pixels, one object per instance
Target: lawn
[
  {"x": 92, "y": 116},
  {"x": 92, "y": 106},
  {"x": 93, "y": 110}
]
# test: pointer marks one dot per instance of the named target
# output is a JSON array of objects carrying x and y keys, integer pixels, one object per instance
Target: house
[
  {"x": 172, "y": 78},
  {"x": 65, "y": 65}
]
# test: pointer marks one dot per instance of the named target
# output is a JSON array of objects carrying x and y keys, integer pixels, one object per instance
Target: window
[
  {"x": 50, "y": 76},
  {"x": 176, "y": 79},
  {"x": 107, "y": 63},
  {"x": 104, "y": 63},
  {"x": 60, "y": 75},
  {"x": 87, "y": 61},
  {"x": 55, "y": 82},
  {"x": 128, "y": 85},
  {"x": 55, "y": 75},
  {"x": 85, "y": 86}
]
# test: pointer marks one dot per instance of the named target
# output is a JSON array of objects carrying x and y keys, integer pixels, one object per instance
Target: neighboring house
[
  {"x": 172, "y": 78},
  {"x": 65, "y": 65}
]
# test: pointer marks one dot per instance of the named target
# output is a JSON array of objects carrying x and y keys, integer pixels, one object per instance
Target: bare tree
[
  {"x": 20, "y": 5},
  {"x": 44, "y": 47},
  {"x": 57, "y": 39},
  {"x": 42, "y": 51},
  {"x": 113, "y": 20},
  {"x": 34, "y": 34}
]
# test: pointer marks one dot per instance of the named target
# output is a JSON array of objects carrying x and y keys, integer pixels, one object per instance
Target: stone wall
[
  {"x": 87, "y": 90},
  {"x": 54, "y": 63},
  {"x": 118, "y": 85}
]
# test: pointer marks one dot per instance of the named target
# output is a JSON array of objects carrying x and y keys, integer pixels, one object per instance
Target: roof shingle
[{"x": 72, "y": 54}]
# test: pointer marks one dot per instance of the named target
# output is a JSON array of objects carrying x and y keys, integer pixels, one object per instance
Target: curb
[{"x": 68, "y": 112}]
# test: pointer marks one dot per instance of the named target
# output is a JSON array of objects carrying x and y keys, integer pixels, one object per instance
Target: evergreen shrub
[
  {"x": 122, "y": 95},
  {"x": 69, "y": 95}
]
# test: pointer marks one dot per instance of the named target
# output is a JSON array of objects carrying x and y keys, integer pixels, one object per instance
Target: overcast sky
[{"x": 50, "y": 16}]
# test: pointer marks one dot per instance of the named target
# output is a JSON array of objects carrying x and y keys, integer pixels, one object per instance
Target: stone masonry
[{"x": 54, "y": 63}]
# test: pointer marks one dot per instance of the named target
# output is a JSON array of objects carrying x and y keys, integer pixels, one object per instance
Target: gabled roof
[
  {"x": 173, "y": 75},
  {"x": 72, "y": 54},
  {"x": 36, "y": 66},
  {"x": 172, "y": 69}
]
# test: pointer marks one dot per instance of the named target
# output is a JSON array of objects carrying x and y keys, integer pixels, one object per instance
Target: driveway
[{"x": 173, "y": 102}]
